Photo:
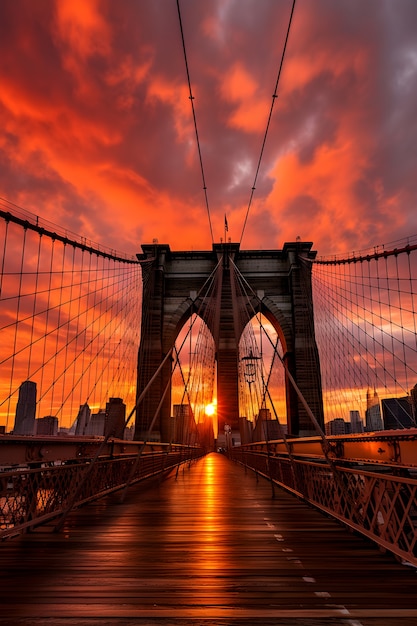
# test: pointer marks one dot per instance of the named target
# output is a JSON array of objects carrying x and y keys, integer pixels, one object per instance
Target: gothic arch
[{"x": 170, "y": 296}]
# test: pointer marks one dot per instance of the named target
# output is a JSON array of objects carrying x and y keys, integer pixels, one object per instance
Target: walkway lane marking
[
  {"x": 339, "y": 608},
  {"x": 310, "y": 579}
]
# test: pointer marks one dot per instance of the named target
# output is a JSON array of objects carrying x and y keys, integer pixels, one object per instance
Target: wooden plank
[{"x": 210, "y": 544}]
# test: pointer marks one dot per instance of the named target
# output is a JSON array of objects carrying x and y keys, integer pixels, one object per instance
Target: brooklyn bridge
[{"x": 210, "y": 435}]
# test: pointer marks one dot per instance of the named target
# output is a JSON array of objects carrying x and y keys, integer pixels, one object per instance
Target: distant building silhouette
[
  {"x": 246, "y": 430},
  {"x": 397, "y": 413},
  {"x": 338, "y": 426},
  {"x": 24, "y": 423},
  {"x": 129, "y": 432},
  {"x": 413, "y": 394},
  {"x": 206, "y": 433},
  {"x": 373, "y": 412},
  {"x": 83, "y": 417},
  {"x": 356, "y": 423},
  {"x": 184, "y": 430},
  {"x": 115, "y": 418},
  {"x": 268, "y": 428},
  {"x": 47, "y": 425},
  {"x": 96, "y": 425}
]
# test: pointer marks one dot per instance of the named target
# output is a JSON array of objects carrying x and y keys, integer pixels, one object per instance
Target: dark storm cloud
[{"x": 98, "y": 129}]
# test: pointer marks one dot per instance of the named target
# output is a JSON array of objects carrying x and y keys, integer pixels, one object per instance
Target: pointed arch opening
[
  {"x": 262, "y": 387},
  {"x": 193, "y": 391}
]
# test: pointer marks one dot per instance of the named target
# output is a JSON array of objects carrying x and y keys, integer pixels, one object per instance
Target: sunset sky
[{"x": 97, "y": 132}]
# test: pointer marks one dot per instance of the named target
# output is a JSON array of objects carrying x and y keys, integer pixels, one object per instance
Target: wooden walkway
[{"x": 208, "y": 547}]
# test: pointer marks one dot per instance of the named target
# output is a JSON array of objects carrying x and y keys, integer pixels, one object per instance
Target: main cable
[
  {"x": 274, "y": 97},
  {"x": 191, "y": 97}
]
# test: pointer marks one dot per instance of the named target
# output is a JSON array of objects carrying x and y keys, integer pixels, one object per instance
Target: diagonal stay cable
[
  {"x": 274, "y": 97},
  {"x": 191, "y": 97}
]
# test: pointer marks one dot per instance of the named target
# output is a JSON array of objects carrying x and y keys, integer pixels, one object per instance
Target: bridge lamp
[{"x": 249, "y": 367}]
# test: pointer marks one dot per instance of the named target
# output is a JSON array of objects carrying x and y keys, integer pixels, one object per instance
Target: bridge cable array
[
  {"x": 70, "y": 321},
  {"x": 191, "y": 97},
  {"x": 365, "y": 321},
  {"x": 255, "y": 313},
  {"x": 274, "y": 97}
]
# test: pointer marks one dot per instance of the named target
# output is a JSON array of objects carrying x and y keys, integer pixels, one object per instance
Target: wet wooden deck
[{"x": 207, "y": 547}]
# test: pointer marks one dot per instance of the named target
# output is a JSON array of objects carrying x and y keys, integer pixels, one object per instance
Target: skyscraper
[
  {"x": 115, "y": 418},
  {"x": 398, "y": 413},
  {"x": 47, "y": 425},
  {"x": 184, "y": 424},
  {"x": 83, "y": 418},
  {"x": 24, "y": 423},
  {"x": 356, "y": 422},
  {"x": 373, "y": 412}
]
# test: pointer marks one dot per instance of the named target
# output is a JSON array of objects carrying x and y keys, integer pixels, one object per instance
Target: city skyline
[
  {"x": 387, "y": 413},
  {"x": 98, "y": 124}
]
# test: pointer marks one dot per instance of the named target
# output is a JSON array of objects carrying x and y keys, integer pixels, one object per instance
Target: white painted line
[{"x": 338, "y": 607}]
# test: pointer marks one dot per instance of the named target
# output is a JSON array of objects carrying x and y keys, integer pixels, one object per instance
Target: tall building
[
  {"x": 356, "y": 423},
  {"x": 115, "y": 418},
  {"x": 397, "y": 413},
  {"x": 246, "y": 430},
  {"x": 413, "y": 394},
  {"x": 47, "y": 425},
  {"x": 206, "y": 433},
  {"x": 96, "y": 425},
  {"x": 82, "y": 420},
  {"x": 24, "y": 423},
  {"x": 338, "y": 426},
  {"x": 184, "y": 424},
  {"x": 268, "y": 428},
  {"x": 373, "y": 412}
]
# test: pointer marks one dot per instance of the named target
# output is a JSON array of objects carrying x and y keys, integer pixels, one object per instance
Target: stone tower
[{"x": 280, "y": 284}]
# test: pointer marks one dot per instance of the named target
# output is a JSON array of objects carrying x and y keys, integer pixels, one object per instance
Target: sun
[{"x": 210, "y": 409}]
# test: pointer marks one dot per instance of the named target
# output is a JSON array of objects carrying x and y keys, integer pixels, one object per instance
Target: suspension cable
[
  {"x": 274, "y": 97},
  {"x": 191, "y": 97},
  {"x": 290, "y": 376}
]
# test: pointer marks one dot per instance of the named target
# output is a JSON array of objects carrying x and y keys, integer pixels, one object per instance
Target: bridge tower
[{"x": 281, "y": 286}]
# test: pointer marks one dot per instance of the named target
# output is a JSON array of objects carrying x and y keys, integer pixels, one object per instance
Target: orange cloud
[
  {"x": 82, "y": 27},
  {"x": 238, "y": 87}
]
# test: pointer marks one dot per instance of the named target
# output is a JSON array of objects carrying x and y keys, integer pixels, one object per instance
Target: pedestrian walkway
[{"x": 207, "y": 547}]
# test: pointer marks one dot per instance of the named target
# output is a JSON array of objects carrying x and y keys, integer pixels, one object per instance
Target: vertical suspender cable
[{"x": 16, "y": 325}]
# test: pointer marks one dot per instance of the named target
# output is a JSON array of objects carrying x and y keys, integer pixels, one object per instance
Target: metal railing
[
  {"x": 39, "y": 491},
  {"x": 377, "y": 500}
]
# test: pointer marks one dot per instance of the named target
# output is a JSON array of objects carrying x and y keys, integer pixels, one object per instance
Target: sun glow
[{"x": 210, "y": 409}]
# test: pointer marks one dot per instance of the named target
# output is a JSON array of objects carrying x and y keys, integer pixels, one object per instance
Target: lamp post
[{"x": 249, "y": 369}]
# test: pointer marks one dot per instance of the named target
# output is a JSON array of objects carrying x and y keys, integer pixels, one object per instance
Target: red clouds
[{"x": 98, "y": 135}]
